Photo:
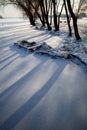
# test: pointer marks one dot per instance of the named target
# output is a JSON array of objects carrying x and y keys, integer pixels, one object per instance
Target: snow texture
[{"x": 38, "y": 92}]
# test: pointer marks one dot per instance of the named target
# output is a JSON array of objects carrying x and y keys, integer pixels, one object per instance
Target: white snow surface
[{"x": 38, "y": 92}]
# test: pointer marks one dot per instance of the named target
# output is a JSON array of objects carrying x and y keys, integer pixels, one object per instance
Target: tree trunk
[
  {"x": 45, "y": 15},
  {"x": 74, "y": 18},
  {"x": 39, "y": 16},
  {"x": 68, "y": 20},
  {"x": 47, "y": 22},
  {"x": 55, "y": 15},
  {"x": 28, "y": 13},
  {"x": 59, "y": 17},
  {"x": 42, "y": 14},
  {"x": 32, "y": 21},
  {"x": 51, "y": 14}
]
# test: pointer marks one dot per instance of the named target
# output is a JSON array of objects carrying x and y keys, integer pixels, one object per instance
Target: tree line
[{"x": 49, "y": 12}]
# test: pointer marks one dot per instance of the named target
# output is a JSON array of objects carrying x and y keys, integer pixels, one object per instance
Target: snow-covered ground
[{"x": 38, "y": 92}]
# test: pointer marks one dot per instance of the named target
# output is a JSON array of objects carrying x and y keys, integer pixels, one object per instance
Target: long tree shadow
[
  {"x": 13, "y": 31},
  {"x": 9, "y": 91},
  {"x": 14, "y": 119},
  {"x": 21, "y": 37},
  {"x": 26, "y": 34},
  {"x": 15, "y": 58},
  {"x": 16, "y": 33},
  {"x": 8, "y": 57}
]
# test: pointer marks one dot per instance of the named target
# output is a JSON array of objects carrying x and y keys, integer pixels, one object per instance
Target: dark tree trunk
[
  {"x": 28, "y": 13},
  {"x": 51, "y": 14},
  {"x": 60, "y": 16},
  {"x": 47, "y": 22},
  {"x": 42, "y": 11},
  {"x": 32, "y": 21},
  {"x": 55, "y": 15},
  {"x": 41, "y": 17},
  {"x": 68, "y": 20},
  {"x": 45, "y": 14},
  {"x": 74, "y": 20}
]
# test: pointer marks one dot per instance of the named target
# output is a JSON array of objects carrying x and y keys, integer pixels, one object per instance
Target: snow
[
  {"x": 38, "y": 92},
  {"x": 68, "y": 46}
]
